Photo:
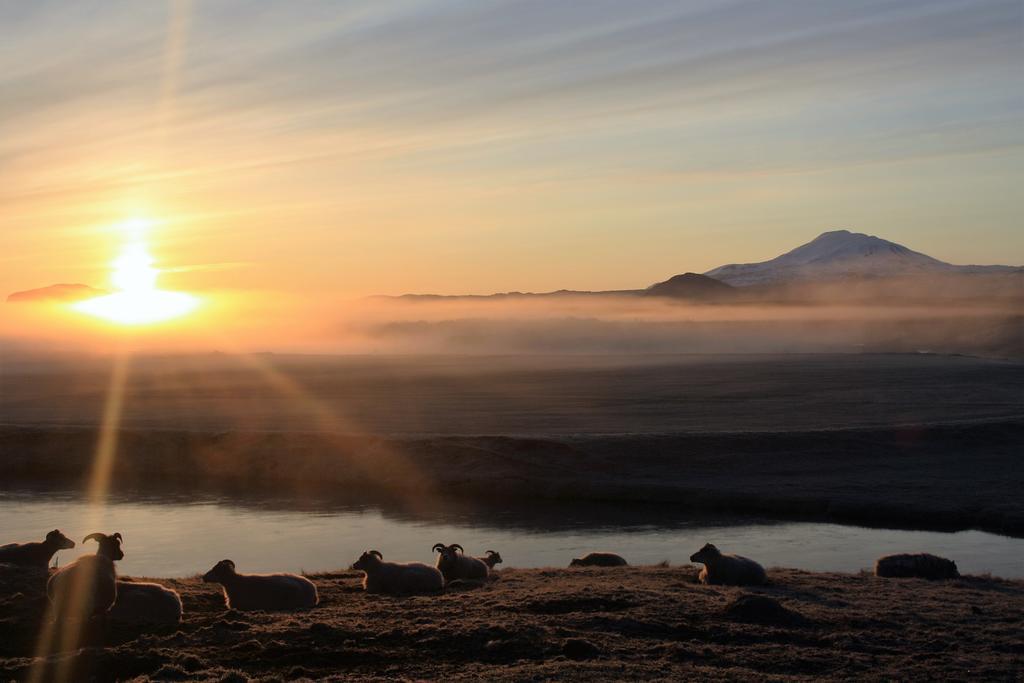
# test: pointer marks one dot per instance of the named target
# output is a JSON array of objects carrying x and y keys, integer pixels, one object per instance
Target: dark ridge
[
  {"x": 692, "y": 286},
  {"x": 59, "y": 292},
  {"x": 947, "y": 476}
]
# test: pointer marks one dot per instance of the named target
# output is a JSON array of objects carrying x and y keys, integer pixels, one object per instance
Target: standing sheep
[
  {"x": 88, "y": 586},
  {"x": 151, "y": 603},
  {"x": 35, "y": 553},
  {"x": 396, "y": 578},
  {"x": 599, "y": 560},
  {"x": 921, "y": 565},
  {"x": 454, "y": 565},
  {"x": 731, "y": 570},
  {"x": 262, "y": 591},
  {"x": 493, "y": 557}
]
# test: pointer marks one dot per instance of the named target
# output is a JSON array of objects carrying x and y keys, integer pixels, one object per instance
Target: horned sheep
[
  {"x": 267, "y": 592},
  {"x": 492, "y": 558},
  {"x": 455, "y": 565},
  {"x": 397, "y": 578},
  {"x": 599, "y": 560},
  {"x": 724, "y": 569},
  {"x": 35, "y": 553},
  {"x": 88, "y": 586}
]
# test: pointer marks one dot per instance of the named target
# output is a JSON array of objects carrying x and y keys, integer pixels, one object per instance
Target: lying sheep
[
  {"x": 599, "y": 560},
  {"x": 267, "y": 592},
  {"x": 921, "y": 565},
  {"x": 493, "y": 557},
  {"x": 731, "y": 570},
  {"x": 151, "y": 603},
  {"x": 454, "y": 565},
  {"x": 88, "y": 586},
  {"x": 35, "y": 553},
  {"x": 396, "y": 578}
]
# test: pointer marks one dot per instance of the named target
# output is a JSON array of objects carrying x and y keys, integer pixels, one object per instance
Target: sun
[{"x": 137, "y": 300}]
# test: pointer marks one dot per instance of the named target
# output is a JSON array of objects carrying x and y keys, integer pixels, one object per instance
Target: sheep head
[
  {"x": 58, "y": 540},
  {"x": 369, "y": 559},
  {"x": 708, "y": 552},
  {"x": 109, "y": 546},
  {"x": 494, "y": 557},
  {"x": 221, "y": 572},
  {"x": 448, "y": 552}
]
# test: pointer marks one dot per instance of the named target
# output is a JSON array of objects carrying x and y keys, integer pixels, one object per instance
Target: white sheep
[
  {"x": 88, "y": 586},
  {"x": 397, "y": 578},
  {"x": 599, "y": 560},
  {"x": 140, "y": 602},
  {"x": 492, "y": 558},
  {"x": 732, "y": 570},
  {"x": 35, "y": 553},
  {"x": 454, "y": 565},
  {"x": 262, "y": 591}
]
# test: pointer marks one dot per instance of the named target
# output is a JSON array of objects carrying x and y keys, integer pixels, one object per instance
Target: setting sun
[{"x": 137, "y": 300}]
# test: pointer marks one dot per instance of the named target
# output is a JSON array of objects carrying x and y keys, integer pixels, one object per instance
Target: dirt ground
[{"x": 650, "y": 623}]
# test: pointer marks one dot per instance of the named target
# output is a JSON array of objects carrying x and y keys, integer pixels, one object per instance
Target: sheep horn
[
  {"x": 438, "y": 548},
  {"x": 491, "y": 552},
  {"x": 456, "y": 545},
  {"x": 96, "y": 536},
  {"x": 377, "y": 553},
  {"x": 117, "y": 535}
]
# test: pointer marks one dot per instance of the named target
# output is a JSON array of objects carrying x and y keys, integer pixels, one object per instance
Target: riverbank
[
  {"x": 937, "y": 476},
  {"x": 651, "y": 623}
]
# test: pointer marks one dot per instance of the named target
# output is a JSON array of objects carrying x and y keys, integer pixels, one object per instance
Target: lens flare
[{"x": 137, "y": 300}]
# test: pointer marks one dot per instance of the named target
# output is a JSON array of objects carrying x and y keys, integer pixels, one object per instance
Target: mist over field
[
  {"x": 976, "y": 315},
  {"x": 567, "y": 324}
]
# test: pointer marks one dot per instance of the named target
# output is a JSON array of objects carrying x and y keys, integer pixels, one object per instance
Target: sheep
[
  {"x": 454, "y": 565},
  {"x": 921, "y": 565},
  {"x": 599, "y": 560},
  {"x": 262, "y": 591},
  {"x": 493, "y": 557},
  {"x": 88, "y": 586},
  {"x": 396, "y": 578},
  {"x": 35, "y": 553},
  {"x": 141, "y": 602},
  {"x": 731, "y": 570}
]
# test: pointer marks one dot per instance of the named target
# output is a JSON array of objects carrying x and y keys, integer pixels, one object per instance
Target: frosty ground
[{"x": 586, "y": 624}]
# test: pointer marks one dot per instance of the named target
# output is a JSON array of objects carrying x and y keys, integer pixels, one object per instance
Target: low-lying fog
[{"x": 971, "y": 316}]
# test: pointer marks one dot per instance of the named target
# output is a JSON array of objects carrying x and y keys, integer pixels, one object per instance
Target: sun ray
[{"x": 67, "y": 634}]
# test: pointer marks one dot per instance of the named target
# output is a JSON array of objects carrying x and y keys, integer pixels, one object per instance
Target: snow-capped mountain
[{"x": 838, "y": 254}]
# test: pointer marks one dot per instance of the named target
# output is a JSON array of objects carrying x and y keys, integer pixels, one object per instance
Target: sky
[{"x": 304, "y": 149}]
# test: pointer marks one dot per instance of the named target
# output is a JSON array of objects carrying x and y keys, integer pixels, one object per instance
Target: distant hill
[
  {"x": 839, "y": 254},
  {"x": 692, "y": 286},
  {"x": 838, "y": 265},
  {"x": 59, "y": 292}
]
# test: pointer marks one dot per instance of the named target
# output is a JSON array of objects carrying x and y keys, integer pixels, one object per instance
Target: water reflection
[{"x": 176, "y": 534}]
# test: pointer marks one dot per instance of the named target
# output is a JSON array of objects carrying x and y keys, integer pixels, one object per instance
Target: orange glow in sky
[{"x": 137, "y": 300}]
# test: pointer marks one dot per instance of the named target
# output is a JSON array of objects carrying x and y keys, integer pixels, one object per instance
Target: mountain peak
[{"x": 832, "y": 254}]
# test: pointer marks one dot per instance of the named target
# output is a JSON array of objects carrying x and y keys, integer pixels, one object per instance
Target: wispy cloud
[{"x": 339, "y": 107}]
